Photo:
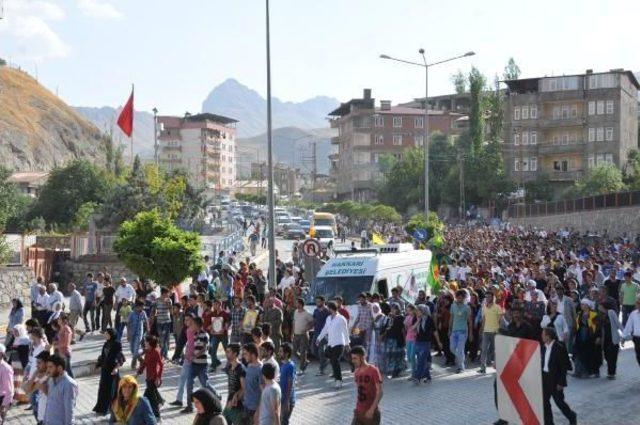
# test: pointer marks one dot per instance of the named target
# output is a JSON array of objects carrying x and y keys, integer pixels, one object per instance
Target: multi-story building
[
  {"x": 288, "y": 179},
  {"x": 562, "y": 126},
  {"x": 203, "y": 145},
  {"x": 366, "y": 132}
]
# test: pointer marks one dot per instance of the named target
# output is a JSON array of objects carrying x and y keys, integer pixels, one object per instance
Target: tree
[
  {"x": 631, "y": 172},
  {"x": 386, "y": 213},
  {"x": 400, "y": 189},
  {"x": 495, "y": 112},
  {"x": 511, "y": 71},
  {"x": 538, "y": 190},
  {"x": 604, "y": 178},
  {"x": 67, "y": 189},
  {"x": 386, "y": 163},
  {"x": 431, "y": 223},
  {"x": 459, "y": 81},
  {"x": 83, "y": 216},
  {"x": 153, "y": 247},
  {"x": 114, "y": 156},
  {"x": 12, "y": 202},
  {"x": 477, "y": 85}
]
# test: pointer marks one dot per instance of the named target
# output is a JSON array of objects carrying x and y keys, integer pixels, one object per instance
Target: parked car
[
  {"x": 295, "y": 231},
  {"x": 305, "y": 224},
  {"x": 324, "y": 235}
]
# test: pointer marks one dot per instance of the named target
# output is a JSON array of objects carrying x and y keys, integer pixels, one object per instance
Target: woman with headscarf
[
  {"x": 108, "y": 363},
  {"x": 19, "y": 360},
  {"x": 376, "y": 345},
  {"x": 425, "y": 329},
  {"x": 16, "y": 317},
  {"x": 611, "y": 336},
  {"x": 587, "y": 351},
  {"x": 208, "y": 408},
  {"x": 129, "y": 407},
  {"x": 394, "y": 343}
]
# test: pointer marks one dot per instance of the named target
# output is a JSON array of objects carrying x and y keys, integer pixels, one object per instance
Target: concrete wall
[
  {"x": 616, "y": 221},
  {"x": 14, "y": 283},
  {"x": 98, "y": 263}
]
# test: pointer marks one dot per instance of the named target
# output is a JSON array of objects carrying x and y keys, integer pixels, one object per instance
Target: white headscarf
[{"x": 588, "y": 302}]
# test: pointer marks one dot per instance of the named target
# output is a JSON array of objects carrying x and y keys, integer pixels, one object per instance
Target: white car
[{"x": 324, "y": 235}]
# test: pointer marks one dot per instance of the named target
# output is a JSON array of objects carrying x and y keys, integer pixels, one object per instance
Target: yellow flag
[{"x": 377, "y": 239}]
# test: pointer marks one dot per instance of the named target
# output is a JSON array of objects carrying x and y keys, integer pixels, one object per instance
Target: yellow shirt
[{"x": 491, "y": 317}]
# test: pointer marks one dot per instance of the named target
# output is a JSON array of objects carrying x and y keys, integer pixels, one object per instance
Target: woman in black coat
[{"x": 109, "y": 361}]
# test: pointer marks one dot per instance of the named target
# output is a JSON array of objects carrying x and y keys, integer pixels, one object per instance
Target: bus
[{"x": 325, "y": 219}]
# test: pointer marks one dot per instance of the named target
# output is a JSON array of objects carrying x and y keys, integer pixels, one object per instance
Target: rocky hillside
[{"x": 38, "y": 131}]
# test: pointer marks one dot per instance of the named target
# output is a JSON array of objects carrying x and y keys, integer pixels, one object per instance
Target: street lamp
[
  {"x": 155, "y": 135},
  {"x": 270, "y": 219},
  {"x": 425, "y": 125}
]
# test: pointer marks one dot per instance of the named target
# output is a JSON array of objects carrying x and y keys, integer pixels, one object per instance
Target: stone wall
[
  {"x": 616, "y": 221},
  {"x": 14, "y": 283},
  {"x": 79, "y": 268}
]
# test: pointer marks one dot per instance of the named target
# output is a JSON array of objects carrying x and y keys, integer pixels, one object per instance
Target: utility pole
[
  {"x": 461, "y": 170},
  {"x": 155, "y": 136},
  {"x": 270, "y": 195},
  {"x": 314, "y": 172}
]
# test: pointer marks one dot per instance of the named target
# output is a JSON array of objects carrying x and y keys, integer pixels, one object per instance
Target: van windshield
[
  {"x": 323, "y": 222},
  {"x": 348, "y": 287}
]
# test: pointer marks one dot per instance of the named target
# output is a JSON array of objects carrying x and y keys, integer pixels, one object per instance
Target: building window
[
  {"x": 609, "y": 107},
  {"x": 533, "y": 138},
  {"x": 418, "y": 140},
  {"x": 533, "y": 163},
  {"x": 565, "y": 139},
  {"x": 379, "y": 121},
  {"x": 376, "y": 157},
  {"x": 516, "y": 165},
  {"x": 590, "y": 161},
  {"x": 600, "y": 134},
  {"x": 525, "y": 164},
  {"x": 397, "y": 122},
  {"x": 600, "y": 107},
  {"x": 525, "y": 137},
  {"x": 574, "y": 111},
  {"x": 592, "y": 134},
  {"x": 516, "y": 113},
  {"x": 556, "y": 139},
  {"x": 418, "y": 122},
  {"x": 516, "y": 139},
  {"x": 565, "y": 112},
  {"x": 608, "y": 158},
  {"x": 397, "y": 139},
  {"x": 592, "y": 108},
  {"x": 379, "y": 139},
  {"x": 608, "y": 134},
  {"x": 599, "y": 158},
  {"x": 561, "y": 165},
  {"x": 557, "y": 112},
  {"x": 525, "y": 112},
  {"x": 534, "y": 112}
]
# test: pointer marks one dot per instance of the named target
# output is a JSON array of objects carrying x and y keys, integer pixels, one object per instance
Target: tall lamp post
[
  {"x": 425, "y": 125},
  {"x": 270, "y": 218},
  {"x": 155, "y": 135}
]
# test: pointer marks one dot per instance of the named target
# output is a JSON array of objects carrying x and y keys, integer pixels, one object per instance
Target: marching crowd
[{"x": 578, "y": 296}]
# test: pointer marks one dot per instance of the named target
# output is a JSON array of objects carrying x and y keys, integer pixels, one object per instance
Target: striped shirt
[
  {"x": 163, "y": 311},
  {"x": 200, "y": 347}
]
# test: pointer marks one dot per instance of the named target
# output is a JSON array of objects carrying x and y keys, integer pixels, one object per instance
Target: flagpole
[{"x": 131, "y": 138}]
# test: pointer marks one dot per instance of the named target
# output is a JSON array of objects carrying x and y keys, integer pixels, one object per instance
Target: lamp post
[
  {"x": 425, "y": 125},
  {"x": 155, "y": 135},
  {"x": 270, "y": 218}
]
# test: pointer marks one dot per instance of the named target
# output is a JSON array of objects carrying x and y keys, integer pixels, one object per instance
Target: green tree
[
  {"x": 67, "y": 189},
  {"x": 83, "y": 216},
  {"x": 459, "y": 81},
  {"x": 386, "y": 213},
  {"x": 431, "y": 223},
  {"x": 511, "y": 71},
  {"x": 602, "y": 179},
  {"x": 495, "y": 112},
  {"x": 153, "y": 247},
  {"x": 400, "y": 189},
  {"x": 631, "y": 173},
  {"x": 539, "y": 189},
  {"x": 386, "y": 163},
  {"x": 477, "y": 85},
  {"x": 12, "y": 202}
]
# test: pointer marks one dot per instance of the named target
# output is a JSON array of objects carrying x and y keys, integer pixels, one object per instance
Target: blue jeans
[
  {"x": 185, "y": 374},
  {"x": 410, "y": 345},
  {"x": 318, "y": 351},
  {"x": 198, "y": 371},
  {"x": 164, "y": 331},
  {"x": 33, "y": 399},
  {"x": 120, "y": 330},
  {"x": 135, "y": 346},
  {"x": 68, "y": 365},
  {"x": 456, "y": 343},
  {"x": 421, "y": 350},
  {"x": 214, "y": 343}
]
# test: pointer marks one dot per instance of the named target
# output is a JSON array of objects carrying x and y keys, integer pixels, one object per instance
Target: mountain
[
  {"x": 105, "y": 118},
  {"x": 237, "y": 101},
  {"x": 291, "y": 145},
  {"x": 38, "y": 131}
]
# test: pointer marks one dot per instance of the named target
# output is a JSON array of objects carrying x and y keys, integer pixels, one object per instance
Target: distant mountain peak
[{"x": 234, "y": 99}]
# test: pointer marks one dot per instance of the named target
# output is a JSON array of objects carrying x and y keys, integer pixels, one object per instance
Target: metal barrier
[
  {"x": 232, "y": 242},
  {"x": 590, "y": 203}
]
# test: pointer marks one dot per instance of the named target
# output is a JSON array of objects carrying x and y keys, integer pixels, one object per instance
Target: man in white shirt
[
  {"x": 287, "y": 280},
  {"x": 632, "y": 329},
  {"x": 531, "y": 287},
  {"x": 336, "y": 330},
  {"x": 123, "y": 291},
  {"x": 55, "y": 297},
  {"x": 463, "y": 271},
  {"x": 34, "y": 291}
]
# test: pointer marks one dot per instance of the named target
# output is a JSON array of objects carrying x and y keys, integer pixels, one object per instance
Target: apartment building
[
  {"x": 366, "y": 132},
  {"x": 563, "y": 126},
  {"x": 203, "y": 145}
]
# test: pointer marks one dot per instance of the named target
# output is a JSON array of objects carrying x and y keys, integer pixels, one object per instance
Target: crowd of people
[{"x": 578, "y": 296}]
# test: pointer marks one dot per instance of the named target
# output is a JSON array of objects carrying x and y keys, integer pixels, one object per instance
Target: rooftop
[
  {"x": 404, "y": 110},
  {"x": 206, "y": 116},
  {"x": 531, "y": 84},
  {"x": 30, "y": 177}
]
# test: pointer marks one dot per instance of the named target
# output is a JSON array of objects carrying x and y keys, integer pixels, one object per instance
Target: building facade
[
  {"x": 560, "y": 127},
  {"x": 367, "y": 132},
  {"x": 203, "y": 145}
]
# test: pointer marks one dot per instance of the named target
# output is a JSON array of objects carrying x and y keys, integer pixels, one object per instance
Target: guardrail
[
  {"x": 232, "y": 242},
  {"x": 590, "y": 203}
]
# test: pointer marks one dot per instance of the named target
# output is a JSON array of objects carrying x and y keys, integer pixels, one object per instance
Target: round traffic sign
[{"x": 311, "y": 248}]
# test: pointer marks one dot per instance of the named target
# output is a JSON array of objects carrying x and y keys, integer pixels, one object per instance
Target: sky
[{"x": 177, "y": 51}]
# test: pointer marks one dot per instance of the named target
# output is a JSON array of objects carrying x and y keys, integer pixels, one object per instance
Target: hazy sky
[{"x": 176, "y": 51}]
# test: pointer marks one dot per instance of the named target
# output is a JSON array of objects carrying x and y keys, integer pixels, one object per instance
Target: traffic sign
[
  {"x": 311, "y": 248},
  {"x": 420, "y": 235},
  {"x": 519, "y": 382}
]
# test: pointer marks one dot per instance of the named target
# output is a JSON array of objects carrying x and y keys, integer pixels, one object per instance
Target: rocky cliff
[{"x": 38, "y": 131}]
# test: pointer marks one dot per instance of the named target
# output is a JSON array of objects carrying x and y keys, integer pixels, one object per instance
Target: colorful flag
[
  {"x": 434, "y": 277},
  {"x": 377, "y": 239},
  {"x": 125, "y": 120}
]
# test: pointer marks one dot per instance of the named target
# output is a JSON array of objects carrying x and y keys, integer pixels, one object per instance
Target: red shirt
[
  {"x": 344, "y": 312},
  {"x": 206, "y": 319},
  {"x": 153, "y": 363},
  {"x": 366, "y": 379},
  {"x": 220, "y": 318}
]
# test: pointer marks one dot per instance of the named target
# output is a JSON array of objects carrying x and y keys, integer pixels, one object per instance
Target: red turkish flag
[{"x": 125, "y": 120}]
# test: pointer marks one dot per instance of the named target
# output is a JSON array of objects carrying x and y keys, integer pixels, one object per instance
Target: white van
[{"x": 375, "y": 270}]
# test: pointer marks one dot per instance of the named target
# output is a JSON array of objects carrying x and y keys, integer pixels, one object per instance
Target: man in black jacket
[{"x": 555, "y": 364}]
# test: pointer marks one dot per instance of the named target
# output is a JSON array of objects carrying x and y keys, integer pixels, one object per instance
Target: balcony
[
  {"x": 171, "y": 161},
  {"x": 561, "y": 122},
  {"x": 552, "y": 149},
  {"x": 213, "y": 154},
  {"x": 565, "y": 176},
  {"x": 172, "y": 149},
  {"x": 335, "y": 140}
]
